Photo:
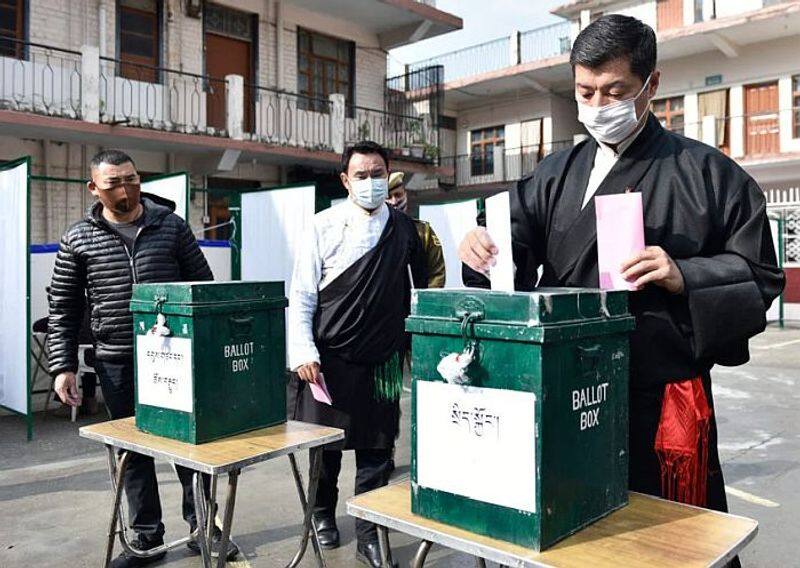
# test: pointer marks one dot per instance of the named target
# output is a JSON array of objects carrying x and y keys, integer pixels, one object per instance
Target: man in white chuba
[{"x": 349, "y": 298}]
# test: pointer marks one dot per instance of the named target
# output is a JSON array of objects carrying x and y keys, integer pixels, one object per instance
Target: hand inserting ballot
[
  {"x": 653, "y": 266},
  {"x": 477, "y": 250}
]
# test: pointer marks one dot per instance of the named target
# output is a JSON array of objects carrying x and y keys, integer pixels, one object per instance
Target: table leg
[
  {"x": 309, "y": 529},
  {"x": 230, "y": 502},
  {"x": 118, "y": 474},
  {"x": 199, "y": 510},
  {"x": 383, "y": 544},
  {"x": 421, "y": 555},
  {"x": 212, "y": 507}
]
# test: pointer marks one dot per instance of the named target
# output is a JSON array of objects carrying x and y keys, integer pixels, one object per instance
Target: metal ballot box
[
  {"x": 210, "y": 358},
  {"x": 528, "y": 442}
]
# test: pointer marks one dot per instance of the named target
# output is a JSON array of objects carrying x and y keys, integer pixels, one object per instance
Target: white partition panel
[
  {"x": 451, "y": 221},
  {"x": 218, "y": 256},
  {"x": 174, "y": 187},
  {"x": 774, "y": 311},
  {"x": 15, "y": 328},
  {"x": 273, "y": 222}
]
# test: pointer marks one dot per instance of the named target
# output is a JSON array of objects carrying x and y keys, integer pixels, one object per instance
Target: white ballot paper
[{"x": 498, "y": 225}]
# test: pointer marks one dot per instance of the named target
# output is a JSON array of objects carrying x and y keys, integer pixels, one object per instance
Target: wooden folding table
[
  {"x": 228, "y": 455},
  {"x": 647, "y": 532}
]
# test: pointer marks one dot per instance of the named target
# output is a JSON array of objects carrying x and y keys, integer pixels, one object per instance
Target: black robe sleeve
[{"x": 728, "y": 293}]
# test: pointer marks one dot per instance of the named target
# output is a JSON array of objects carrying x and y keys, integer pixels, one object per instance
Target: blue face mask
[{"x": 370, "y": 193}]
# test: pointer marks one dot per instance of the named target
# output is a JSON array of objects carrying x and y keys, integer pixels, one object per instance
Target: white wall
[
  {"x": 644, "y": 11},
  {"x": 732, "y": 7}
]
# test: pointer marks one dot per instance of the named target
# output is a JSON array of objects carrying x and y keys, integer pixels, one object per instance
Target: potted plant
[{"x": 418, "y": 141}]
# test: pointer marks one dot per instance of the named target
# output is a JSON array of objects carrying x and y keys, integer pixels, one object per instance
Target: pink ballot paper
[
  {"x": 620, "y": 235},
  {"x": 320, "y": 391}
]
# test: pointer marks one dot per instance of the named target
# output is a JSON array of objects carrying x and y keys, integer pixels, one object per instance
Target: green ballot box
[
  {"x": 210, "y": 358},
  {"x": 527, "y": 439}
]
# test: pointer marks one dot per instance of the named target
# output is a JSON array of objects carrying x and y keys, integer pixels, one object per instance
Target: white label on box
[
  {"x": 477, "y": 442},
  {"x": 164, "y": 372}
]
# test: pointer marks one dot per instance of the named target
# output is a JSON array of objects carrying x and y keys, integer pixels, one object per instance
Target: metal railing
[
  {"x": 159, "y": 98},
  {"x": 472, "y": 60},
  {"x": 290, "y": 119},
  {"x": 541, "y": 43},
  {"x": 39, "y": 78},
  {"x": 403, "y": 135},
  {"x": 503, "y": 165}
]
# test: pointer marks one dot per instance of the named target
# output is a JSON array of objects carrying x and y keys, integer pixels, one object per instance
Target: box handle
[{"x": 241, "y": 326}]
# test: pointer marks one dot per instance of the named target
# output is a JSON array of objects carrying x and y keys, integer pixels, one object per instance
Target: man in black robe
[
  {"x": 349, "y": 299},
  {"x": 704, "y": 281}
]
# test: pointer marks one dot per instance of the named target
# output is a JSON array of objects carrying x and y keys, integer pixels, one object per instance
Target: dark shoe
[
  {"x": 233, "y": 549},
  {"x": 126, "y": 560},
  {"x": 369, "y": 553},
  {"x": 327, "y": 532}
]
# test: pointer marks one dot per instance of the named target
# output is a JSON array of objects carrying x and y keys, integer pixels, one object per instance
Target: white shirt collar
[{"x": 356, "y": 211}]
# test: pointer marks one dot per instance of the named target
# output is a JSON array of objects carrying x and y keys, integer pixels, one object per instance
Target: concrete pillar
[
  {"x": 785, "y": 116},
  {"x": 337, "y": 122},
  {"x": 514, "y": 55},
  {"x": 279, "y": 36},
  {"x": 710, "y": 130},
  {"x": 691, "y": 116},
  {"x": 90, "y": 83},
  {"x": 499, "y": 163},
  {"x": 688, "y": 12},
  {"x": 736, "y": 112},
  {"x": 586, "y": 18},
  {"x": 234, "y": 102}
]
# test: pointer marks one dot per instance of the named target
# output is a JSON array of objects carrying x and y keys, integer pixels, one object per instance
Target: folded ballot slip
[
  {"x": 320, "y": 391},
  {"x": 620, "y": 235}
]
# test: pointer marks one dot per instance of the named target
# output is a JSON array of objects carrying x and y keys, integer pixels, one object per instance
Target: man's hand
[
  {"x": 309, "y": 372},
  {"x": 67, "y": 389},
  {"x": 477, "y": 250},
  {"x": 653, "y": 266}
]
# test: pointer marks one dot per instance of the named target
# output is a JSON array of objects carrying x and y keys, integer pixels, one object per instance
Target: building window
[
  {"x": 482, "y": 145},
  {"x": 325, "y": 66},
  {"x": 225, "y": 21},
  {"x": 796, "y": 105},
  {"x": 669, "y": 113},
  {"x": 12, "y": 28},
  {"x": 139, "y": 39}
]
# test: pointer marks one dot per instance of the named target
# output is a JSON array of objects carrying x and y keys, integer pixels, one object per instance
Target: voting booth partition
[
  {"x": 15, "y": 317},
  {"x": 450, "y": 222}
]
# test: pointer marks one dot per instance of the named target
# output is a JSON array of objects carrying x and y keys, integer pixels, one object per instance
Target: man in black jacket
[{"x": 125, "y": 238}]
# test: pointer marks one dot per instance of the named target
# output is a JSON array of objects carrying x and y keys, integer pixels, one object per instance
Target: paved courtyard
[{"x": 54, "y": 491}]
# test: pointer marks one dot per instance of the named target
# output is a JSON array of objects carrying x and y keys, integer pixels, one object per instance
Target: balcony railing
[
  {"x": 542, "y": 43},
  {"x": 87, "y": 86},
  {"x": 534, "y": 45},
  {"x": 39, "y": 78},
  {"x": 159, "y": 98},
  {"x": 501, "y": 166},
  {"x": 469, "y": 61},
  {"x": 290, "y": 119},
  {"x": 406, "y": 136}
]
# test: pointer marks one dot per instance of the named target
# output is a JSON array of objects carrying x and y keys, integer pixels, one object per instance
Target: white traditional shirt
[
  {"x": 339, "y": 236},
  {"x": 604, "y": 160}
]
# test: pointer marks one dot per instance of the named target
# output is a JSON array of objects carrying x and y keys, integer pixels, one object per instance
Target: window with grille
[
  {"x": 228, "y": 22},
  {"x": 482, "y": 145},
  {"x": 12, "y": 28},
  {"x": 325, "y": 66},
  {"x": 669, "y": 112},
  {"x": 796, "y": 106},
  {"x": 139, "y": 39}
]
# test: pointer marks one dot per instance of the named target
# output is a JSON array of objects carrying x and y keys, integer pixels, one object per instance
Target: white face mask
[
  {"x": 370, "y": 193},
  {"x": 613, "y": 122}
]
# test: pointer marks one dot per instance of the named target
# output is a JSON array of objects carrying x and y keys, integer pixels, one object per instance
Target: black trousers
[
  {"x": 141, "y": 485},
  {"x": 372, "y": 471}
]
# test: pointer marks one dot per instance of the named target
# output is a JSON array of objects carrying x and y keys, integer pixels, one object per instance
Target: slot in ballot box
[
  {"x": 210, "y": 358},
  {"x": 530, "y": 443}
]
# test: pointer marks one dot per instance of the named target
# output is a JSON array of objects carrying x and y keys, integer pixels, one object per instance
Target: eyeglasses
[{"x": 114, "y": 183}]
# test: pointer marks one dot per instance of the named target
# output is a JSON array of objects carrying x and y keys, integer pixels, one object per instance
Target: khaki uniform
[{"x": 434, "y": 257}]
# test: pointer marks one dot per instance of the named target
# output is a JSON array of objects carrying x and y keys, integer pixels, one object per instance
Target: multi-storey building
[
  {"x": 239, "y": 93},
  {"x": 730, "y": 76}
]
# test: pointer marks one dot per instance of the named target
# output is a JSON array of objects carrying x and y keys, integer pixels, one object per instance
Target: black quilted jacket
[{"x": 94, "y": 268}]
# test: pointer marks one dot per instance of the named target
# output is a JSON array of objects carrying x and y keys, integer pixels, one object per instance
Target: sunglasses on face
[{"x": 114, "y": 183}]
